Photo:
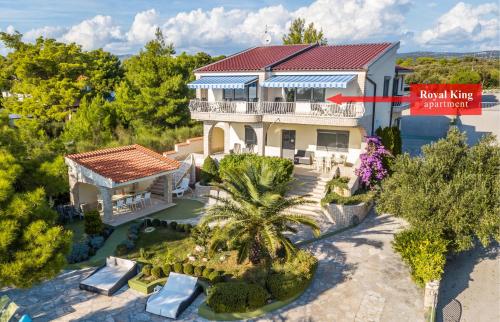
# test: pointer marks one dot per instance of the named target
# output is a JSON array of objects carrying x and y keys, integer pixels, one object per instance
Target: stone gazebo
[{"x": 98, "y": 179}]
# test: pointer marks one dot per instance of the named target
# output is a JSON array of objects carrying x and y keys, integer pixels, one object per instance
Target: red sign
[
  {"x": 445, "y": 99},
  {"x": 430, "y": 99}
]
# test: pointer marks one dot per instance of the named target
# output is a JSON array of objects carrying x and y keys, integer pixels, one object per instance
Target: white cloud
[
  {"x": 94, "y": 33},
  {"x": 465, "y": 27},
  {"x": 47, "y": 32},
  {"x": 355, "y": 20},
  {"x": 144, "y": 26}
]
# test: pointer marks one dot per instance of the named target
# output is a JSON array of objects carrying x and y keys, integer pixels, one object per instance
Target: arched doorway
[{"x": 217, "y": 140}]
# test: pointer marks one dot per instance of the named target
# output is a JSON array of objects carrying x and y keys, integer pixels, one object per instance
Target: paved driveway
[{"x": 359, "y": 278}]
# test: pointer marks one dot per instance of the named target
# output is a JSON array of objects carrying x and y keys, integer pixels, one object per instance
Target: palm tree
[{"x": 254, "y": 214}]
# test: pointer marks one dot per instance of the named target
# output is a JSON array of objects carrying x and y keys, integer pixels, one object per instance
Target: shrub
[
  {"x": 93, "y": 223},
  {"x": 360, "y": 196},
  {"x": 178, "y": 267},
  {"x": 164, "y": 223},
  {"x": 157, "y": 272},
  {"x": 121, "y": 249},
  {"x": 236, "y": 297},
  {"x": 130, "y": 244},
  {"x": 198, "y": 270},
  {"x": 188, "y": 228},
  {"x": 291, "y": 277},
  {"x": 423, "y": 252},
  {"x": 96, "y": 242},
  {"x": 146, "y": 222},
  {"x": 215, "y": 277},
  {"x": 79, "y": 252},
  {"x": 132, "y": 236},
  {"x": 206, "y": 272},
  {"x": 282, "y": 167},
  {"x": 156, "y": 222},
  {"x": 188, "y": 269},
  {"x": 143, "y": 253},
  {"x": 391, "y": 139},
  {"x": 167, "y": 268},
  {"x": 209, "y": 172},
  {"x": 173, "y": 225},
  {"x": 372, "y": 169},
  {"x": 146, "y": 270},
  {"x": 180, "y": 228}
]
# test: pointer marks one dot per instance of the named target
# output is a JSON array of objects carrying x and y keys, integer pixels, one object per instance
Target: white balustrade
[{"x": 346, "y": 110}]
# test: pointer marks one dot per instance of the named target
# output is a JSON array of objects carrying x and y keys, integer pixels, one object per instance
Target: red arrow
[{"x": 339, "y": 99}]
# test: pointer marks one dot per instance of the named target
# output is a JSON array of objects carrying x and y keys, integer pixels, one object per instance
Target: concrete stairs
[
  {"x": 156, "y": 187},
  {"x": 314, "y": 187}
]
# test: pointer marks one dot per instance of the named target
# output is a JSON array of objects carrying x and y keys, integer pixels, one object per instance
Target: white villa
[{"x": 272, "y": 100}]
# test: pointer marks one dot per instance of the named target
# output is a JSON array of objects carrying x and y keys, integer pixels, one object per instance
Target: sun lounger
[
  {"x": 173, "y": 298},
  {"x": 111, "y": 277}
]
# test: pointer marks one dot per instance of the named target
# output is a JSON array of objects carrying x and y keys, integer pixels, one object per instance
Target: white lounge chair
[
  {"x": 173, "y": 298},
  {"x": 130, "y": 203},
  {"x": 183, "y": 187},
  {"x": 111, "y": 277},
  {"x": 120, "y": 204}
]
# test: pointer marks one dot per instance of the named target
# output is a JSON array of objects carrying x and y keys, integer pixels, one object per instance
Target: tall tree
[
  {"x": 32, "y": 246},
  {"x": 49, "y": 78},
  {"x": 452, "y": 191},
  {"x": 300, "y": 34},
  {"x": 255, "y": 216}
]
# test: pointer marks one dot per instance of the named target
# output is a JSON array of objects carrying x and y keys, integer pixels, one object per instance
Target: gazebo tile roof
[{"x": 125, "y": 163}]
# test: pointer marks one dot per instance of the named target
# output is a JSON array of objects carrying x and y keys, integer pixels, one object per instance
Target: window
[
  {"x": 318, "y": 95},
  {"x": 303, "y": 94},
  {"x": 387, "y": 80},
  {"x": 290, "y": 94},
  {"x": 252, "y": 92},
  {"x": 249, "y": 93},
  {"x": 250, "y": 136},
  {"x": 228, "y": 94},
  {"x": 333, "y": 140}
]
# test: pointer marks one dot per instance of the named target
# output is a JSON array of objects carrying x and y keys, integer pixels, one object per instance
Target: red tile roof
[
  {"x": 338, "y": 57},
  {"x": 253, "y": 59},
  {"x": 125, "y": 163}
]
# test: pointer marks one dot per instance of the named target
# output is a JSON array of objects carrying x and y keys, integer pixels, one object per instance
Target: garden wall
[
  {"x": 182, "y": 150},
  {"x": 348, "y": 215}
]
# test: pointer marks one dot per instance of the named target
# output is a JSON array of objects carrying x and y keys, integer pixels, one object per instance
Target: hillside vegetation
[{"x": 466, "y": 70}]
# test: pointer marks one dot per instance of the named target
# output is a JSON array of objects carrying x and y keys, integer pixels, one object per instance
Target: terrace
[{"x": 123, "y": 183}]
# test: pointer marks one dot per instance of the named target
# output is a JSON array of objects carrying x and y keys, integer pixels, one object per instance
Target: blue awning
[
  {"x": 309, "y": 81},
  {"x": 222, "y": 82}
]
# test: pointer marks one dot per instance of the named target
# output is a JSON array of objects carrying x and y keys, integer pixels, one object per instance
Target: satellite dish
[{"x": 266, "y": 39}]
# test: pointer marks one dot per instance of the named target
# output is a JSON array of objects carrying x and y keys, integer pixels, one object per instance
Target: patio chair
[
  {"x": 147, "y": 198},
  {"x": 129, "y": 202},
  {"x": 303, "y": 157},
  {"x": 182, "y": 188},
  {"x": 138, "y": 200},
  {"x": 120, "y": 204}
]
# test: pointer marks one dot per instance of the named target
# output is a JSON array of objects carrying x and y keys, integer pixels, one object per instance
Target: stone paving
[{"x": 359, "y": 278}]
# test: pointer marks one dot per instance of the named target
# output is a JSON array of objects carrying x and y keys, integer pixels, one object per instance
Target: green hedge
[
  {"x": 424, "y": 252},
  {"x": 359, "y": 197},
  {"x": 93, "y": 222},
  {"x": 236, "y": 297},
  {"x": 137, "y": 284},
  {"x": 291, "y": 277},
  {"x": 209, "y": 172},
  {"x": 282, "y": 167}
]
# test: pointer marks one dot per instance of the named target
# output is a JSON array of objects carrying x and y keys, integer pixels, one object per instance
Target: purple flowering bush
[{"x": 372, "y": 169}]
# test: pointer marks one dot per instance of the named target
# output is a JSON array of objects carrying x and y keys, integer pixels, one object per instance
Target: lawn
[{"x": 184, "y": 209}]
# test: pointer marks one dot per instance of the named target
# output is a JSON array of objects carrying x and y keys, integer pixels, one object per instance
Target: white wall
[
  {"x": 384, "y": 66},
  {"x": 87, "y": 193},
  {"x": 306, "y": 138}
]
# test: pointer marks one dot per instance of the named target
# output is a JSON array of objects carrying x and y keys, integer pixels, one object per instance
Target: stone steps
[{"x": 314, "y": 188}]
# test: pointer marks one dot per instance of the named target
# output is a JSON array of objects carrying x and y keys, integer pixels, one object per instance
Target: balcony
[{"x": 347, "y": 114}]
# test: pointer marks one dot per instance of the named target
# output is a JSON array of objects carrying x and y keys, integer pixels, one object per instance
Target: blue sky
[{"x": 223, "y": 27}]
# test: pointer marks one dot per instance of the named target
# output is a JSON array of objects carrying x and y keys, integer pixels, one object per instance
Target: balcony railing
[{"x": 346, "y": 110}]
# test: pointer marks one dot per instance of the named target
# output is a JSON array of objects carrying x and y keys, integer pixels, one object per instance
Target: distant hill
[
  {"x": 125, "y": 56},
  {"x": 480, "y": 54}
]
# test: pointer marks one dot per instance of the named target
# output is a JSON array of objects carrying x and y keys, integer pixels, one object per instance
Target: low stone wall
[
  {"x": 181, "y": 150},
  {"x": 348, "y": 215}
]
